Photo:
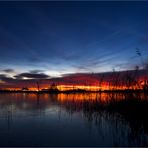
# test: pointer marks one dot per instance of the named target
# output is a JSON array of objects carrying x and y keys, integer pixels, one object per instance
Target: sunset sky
[{"x": 49, "y": 39}]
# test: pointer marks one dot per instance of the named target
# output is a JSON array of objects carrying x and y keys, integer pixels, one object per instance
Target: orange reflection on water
[
  {"x": 101, "y": 97},
  {"x": 73, "y": 87}
]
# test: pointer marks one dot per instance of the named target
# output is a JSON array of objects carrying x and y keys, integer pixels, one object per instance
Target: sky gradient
[{"x": 50, "y": 39}]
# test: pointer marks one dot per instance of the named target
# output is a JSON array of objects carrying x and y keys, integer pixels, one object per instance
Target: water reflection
[{"x": 83, "y": 119}]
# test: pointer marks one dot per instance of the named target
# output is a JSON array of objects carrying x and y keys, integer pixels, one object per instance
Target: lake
[{"x": 82, "y": 119}]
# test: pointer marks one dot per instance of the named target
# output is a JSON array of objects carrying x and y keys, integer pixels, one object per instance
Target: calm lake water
[{"x": 28, "y": 119}]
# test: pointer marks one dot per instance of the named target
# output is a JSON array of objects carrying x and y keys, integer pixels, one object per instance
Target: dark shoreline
[{"x": 76, "y": 91}]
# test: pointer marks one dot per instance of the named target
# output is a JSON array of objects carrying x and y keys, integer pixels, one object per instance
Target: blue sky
[{"x": 56, "y": 38}]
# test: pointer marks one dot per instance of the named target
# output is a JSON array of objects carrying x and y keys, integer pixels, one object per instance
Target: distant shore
[{"x": 71, "y": 91}]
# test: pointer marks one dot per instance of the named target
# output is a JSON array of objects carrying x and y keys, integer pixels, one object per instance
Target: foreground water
[{"x": 28, "y": 119}]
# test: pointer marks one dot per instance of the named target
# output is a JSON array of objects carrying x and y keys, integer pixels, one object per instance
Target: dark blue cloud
[
  {"x": 31, "y": 75},
  {"x": 37, "y": 71},
  {"x": 8, "y": 70}
]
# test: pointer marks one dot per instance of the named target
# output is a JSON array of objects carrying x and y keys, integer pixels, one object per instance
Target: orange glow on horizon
[{"x": 105, "y": 85}]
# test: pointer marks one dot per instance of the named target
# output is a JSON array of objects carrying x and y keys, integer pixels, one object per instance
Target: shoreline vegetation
[
  {"x": 72, "y": 91},
  {"x": 116, "y": 81},
  {"x": 56, "y": 91}
]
